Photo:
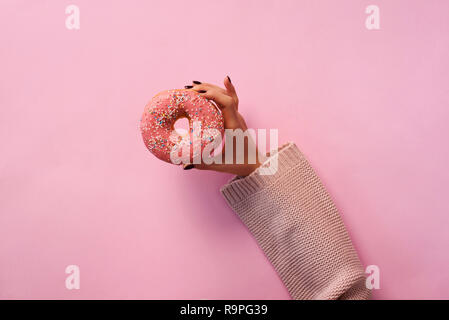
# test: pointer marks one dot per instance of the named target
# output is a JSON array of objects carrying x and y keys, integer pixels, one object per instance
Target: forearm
[{"x": 298, "y": 227}]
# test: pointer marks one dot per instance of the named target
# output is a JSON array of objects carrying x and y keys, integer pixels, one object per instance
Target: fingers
[
  {"x": 197, "y": 85},
  {"x": 226, "y": 105},
  {"x": 214, "y": 93},
  {"x": 231, "y": 90},
  {"x": 226, "y": 100},
  {"x": 222, "y": 100}
]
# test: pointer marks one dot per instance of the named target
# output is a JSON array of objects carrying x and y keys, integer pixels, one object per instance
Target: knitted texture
[{"x": 299, "y": 229}]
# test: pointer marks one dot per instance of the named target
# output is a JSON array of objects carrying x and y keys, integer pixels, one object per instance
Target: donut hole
[{"x": 182, "y": 126}]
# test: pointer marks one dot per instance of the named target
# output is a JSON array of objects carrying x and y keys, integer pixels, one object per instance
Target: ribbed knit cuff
[
  {"x": 239, "y": 188},
  {"x": 298, "y": 227}
]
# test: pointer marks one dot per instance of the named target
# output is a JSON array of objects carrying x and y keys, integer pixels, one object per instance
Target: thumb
[{"x": 203, "y": 166}]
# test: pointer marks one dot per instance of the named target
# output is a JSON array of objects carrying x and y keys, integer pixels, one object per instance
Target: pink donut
[{"x": 161, "y": 113}]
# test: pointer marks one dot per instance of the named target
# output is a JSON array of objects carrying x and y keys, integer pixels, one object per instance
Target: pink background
[{"x": 77, "y": 186}]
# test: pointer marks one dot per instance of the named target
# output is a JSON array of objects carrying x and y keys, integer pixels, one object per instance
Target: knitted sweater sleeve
[{"x": 299, "y": 229}]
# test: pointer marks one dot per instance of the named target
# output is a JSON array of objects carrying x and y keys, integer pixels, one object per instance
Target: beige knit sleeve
[{"x": 299, "y": 229}]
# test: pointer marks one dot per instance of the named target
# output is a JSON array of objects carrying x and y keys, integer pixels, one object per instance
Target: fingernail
[
  {"x": 201, "y": 91},
  {"x": 229, "y": 79},
  {"x": 188, "y": 166},
  {"x": 188, "y": 87},
  {"x": 196, "y": 82}
]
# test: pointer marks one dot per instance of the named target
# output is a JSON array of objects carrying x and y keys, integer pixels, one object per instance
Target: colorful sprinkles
[{"x": 160, "y": 115}]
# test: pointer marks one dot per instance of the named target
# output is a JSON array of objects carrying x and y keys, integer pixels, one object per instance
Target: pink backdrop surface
[{"x": 77, "y": 185}]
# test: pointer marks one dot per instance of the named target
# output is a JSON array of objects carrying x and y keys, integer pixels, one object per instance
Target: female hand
[{"x": 228, "y": 102}]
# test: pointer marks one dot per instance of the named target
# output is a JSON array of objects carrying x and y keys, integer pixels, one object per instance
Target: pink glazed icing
[{"x": 161, "y": 113}]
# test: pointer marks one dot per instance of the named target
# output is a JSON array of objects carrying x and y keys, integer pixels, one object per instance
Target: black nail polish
[
  {"x": 229, "y": 79},
  {"x": 188, "y": 87},
  {"x": 188, "y": 167},
  {"x": 196, "y": 82},
  {"x": 201, "y": 91}
]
